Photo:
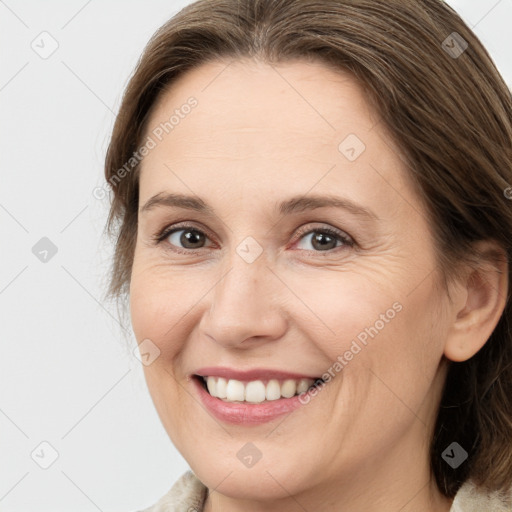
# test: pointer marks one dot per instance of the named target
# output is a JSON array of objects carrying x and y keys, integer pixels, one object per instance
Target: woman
[{"x": 310, "y": 203}]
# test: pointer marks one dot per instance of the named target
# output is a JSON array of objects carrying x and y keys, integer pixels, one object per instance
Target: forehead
[
  {"x": 308, "y": 98},
  {"x": 259, "y": 126}
]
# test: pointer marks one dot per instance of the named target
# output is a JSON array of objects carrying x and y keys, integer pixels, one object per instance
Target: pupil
[
  {"x": 191, "y": 237},
  {"x": 318, "y": 239}
]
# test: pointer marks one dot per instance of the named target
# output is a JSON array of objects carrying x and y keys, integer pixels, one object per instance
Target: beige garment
[{"x": 188, "y": 495}]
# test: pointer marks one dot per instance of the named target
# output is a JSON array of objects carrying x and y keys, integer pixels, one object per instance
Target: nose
[{"x": 245, "y": 306}]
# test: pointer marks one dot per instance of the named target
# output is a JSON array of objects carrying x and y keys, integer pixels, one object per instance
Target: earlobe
[{"x": 485, "y": 290}]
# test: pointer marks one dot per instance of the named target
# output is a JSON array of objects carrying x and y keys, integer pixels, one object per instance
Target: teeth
[
  {"x": 288, "y": 388},
  {"x": 302, "y": 386},
  {"x": 221, "y": 388},
  {"x": 210, "y": 384},
  {"x": 235, "y": 391},
  {"x": 255, "y": 391},
  {"x": 273, "y": 391}
]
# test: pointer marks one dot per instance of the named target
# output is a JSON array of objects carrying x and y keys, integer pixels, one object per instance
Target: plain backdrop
[{"x": 72, "y": 396}]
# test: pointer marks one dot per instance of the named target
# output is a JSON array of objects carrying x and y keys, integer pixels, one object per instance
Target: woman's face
[{"x": 252, "y": 282}]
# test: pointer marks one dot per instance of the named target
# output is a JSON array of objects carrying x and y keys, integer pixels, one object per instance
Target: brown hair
[{"x": 446, "y": 107}]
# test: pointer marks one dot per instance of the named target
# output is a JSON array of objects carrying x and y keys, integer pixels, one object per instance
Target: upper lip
[{"x": 253, "y": 374}]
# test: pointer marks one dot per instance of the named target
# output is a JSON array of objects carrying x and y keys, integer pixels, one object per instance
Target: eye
[
  {"x": 185, "y": 239},
  {"x": 324, "y": 239}
]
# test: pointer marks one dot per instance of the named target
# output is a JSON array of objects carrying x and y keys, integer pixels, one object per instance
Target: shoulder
[
  {"x": 186, "y": 495},
  {"x": 472, "y": 499}
]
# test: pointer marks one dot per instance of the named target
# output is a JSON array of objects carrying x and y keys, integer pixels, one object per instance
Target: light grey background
[{"x": 66, "y": 376}]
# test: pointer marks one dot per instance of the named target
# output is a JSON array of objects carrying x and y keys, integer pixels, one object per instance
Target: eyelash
[{"x": 340, "y": 235}]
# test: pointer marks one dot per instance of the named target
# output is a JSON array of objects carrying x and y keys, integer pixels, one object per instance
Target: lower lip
[{"x": 245, "y": 413}]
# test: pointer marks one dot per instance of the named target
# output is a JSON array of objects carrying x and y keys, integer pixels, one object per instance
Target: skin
[{"x": 259, "y": 135}]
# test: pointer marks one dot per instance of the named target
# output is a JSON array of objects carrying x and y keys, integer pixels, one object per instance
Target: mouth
[{"x": 256, "y": 391}]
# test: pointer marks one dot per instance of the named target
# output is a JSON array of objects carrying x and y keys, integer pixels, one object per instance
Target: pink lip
[
  {"x": 242, "y": 413},
  {"x": 247, "y": 375}
]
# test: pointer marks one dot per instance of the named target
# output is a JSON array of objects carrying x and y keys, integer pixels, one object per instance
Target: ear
[{"x": 478, "y": 303}]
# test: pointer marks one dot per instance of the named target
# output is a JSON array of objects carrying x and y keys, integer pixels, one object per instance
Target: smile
[
  {"x": 255, "y": 391},
  {"x": 249, "y": 402}
]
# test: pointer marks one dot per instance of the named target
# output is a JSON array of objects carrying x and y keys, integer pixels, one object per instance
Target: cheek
[
  {"x": 159, "y": 298},
  {"x": 340, "y": 310},
  {"x": 404, "y": 356},
  {"x": 156, "y": 309},
  {"x": 387, "y": 341}
]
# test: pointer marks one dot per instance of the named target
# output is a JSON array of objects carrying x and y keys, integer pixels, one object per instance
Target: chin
[{"x": 259, "y": 483}]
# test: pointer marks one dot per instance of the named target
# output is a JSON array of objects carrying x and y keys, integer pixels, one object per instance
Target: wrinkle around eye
[{"x": 363, "y": 235}]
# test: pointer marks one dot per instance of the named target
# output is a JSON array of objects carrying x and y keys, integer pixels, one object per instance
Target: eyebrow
[{"x": 289, "y": 206}]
